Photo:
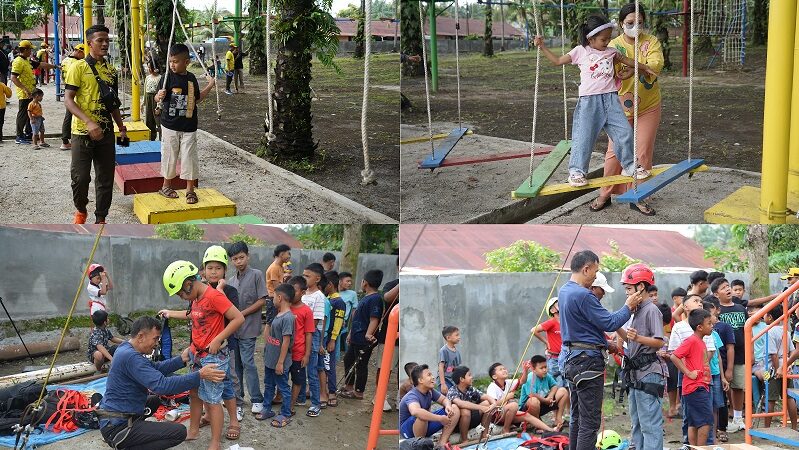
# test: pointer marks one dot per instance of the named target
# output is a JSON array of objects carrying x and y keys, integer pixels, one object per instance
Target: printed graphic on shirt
[
  {"x": 179, "y": 103},
  {"x": 600, "y": 67}
]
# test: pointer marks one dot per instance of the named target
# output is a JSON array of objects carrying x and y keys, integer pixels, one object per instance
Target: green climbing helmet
[
  {"x": 215, "y": 253},
  {"x": 176, "y": 273},
  {"x": 608, "y": 439}
]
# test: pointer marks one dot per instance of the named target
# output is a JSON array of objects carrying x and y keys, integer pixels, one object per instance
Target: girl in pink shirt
[{"x": 598, "y": 107}]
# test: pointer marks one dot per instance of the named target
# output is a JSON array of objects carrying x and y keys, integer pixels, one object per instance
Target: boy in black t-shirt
[
  {"x": 735, "y": 315},
  {"x": 179, "y": 123}
]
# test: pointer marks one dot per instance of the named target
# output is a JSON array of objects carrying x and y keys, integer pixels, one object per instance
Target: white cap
[{"x": 602, "y": 282}]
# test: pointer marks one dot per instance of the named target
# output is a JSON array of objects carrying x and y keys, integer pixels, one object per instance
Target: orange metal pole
[
  {"x": 749, "y": 350},
  {"x": 382, "y": 382}
]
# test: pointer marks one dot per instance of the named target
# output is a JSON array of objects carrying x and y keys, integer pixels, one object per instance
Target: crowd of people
[
  {"x": 688, "y": 352},
  {"x": 307, "y": 321}
]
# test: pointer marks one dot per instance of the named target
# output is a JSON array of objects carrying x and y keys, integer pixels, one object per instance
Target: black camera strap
[{"x": 105, "y": 89}]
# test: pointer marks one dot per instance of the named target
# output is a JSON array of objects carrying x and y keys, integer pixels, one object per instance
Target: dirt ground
[
  {"x": 497, "y": 101},
  {"x": 346, "y": 426},
  {"x": 337, "y": 117}
]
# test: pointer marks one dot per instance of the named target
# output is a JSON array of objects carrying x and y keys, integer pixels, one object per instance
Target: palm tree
[
  {"x": 359, "y": 38},
  {"x": 302, "y": 27},
  {"x": 161, "y": 20},
  {"x": 488, "y": 49},
  {"x": 257, "y": 38},
  {"x": 412, "y": 35}
]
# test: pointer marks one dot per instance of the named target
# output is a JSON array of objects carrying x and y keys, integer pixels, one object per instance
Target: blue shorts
[
  {"x": 698, "y": 409},
  {"x": 297, "y": 373},
  {"x": 406, "y": 429},
  {"x": 209, "y": 391},
  {"x": 717, "y": 392},
  {"x": 37, "y": 125}
]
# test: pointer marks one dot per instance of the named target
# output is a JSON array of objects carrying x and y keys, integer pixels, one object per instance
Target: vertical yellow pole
[
  {"x": 135, "y": 114},
  {"x": 793, "y": 152},
  {"x": 777, "y": 115},
  {"x": 142, "y": 27},
  {"x": 87, "y": 19}
]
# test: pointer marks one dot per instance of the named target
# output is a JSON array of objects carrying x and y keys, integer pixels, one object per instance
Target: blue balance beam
[
  {"x": 658, "y": 182},
  {"x": 434, "y": 161},
  {"x": 139, "y": 152}
]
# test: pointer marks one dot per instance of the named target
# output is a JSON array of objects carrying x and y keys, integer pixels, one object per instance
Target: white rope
[
  {"x": 426, "y": 85},
  {"x": 563, "y": 71},
  {"x": 269, "y": 100},
  {"x": 367, "y": 174},
  {"x": 457, "y": 60},
  {"x": 213, "y": 61},
  {"x": 168, "y": 46},
  {"x": 691, "y": 83},
  {"x": 535, "y": 89},
  {"x": 635, "y": 98}
]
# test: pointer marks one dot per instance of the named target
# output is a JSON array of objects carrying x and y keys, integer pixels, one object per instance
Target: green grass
[{"x": 78, "y": 320}]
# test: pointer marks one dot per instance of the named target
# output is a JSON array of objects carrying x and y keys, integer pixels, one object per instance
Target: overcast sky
[{"x": 338, "y": 5}]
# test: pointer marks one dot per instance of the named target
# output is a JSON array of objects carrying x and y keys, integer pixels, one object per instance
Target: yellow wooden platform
[
  {"x": 154, "y": 208},
  {"x": 595, "y": 183},
  {"x": 743, "y": 206},
  {"x": 137, "y": 131}
]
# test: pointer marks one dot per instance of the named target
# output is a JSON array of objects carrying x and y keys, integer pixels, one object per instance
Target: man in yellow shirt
[
  {"x": 78, "y": 53},
  {"x": 95, "y": 108},
  {"x": 41, "y": 56},
  {"x": 230, "y": 65},
  {"x": 22, "y": 77}
]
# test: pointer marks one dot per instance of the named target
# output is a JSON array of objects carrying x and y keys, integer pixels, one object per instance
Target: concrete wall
[
  {"x": 494, "y": 312},
  {"x": 39, "y": 270}
]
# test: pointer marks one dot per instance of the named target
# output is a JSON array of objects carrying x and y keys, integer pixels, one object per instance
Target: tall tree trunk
[
  {"x": 257, "y": 38},
  {"x": 757, "y": 254},
  {"x": 660, "y": 28},
  {"x": 760, "y": 22},
  {"x": 293, "y": 128},
  {"x": 412, "y": 36},
  {"x": 359, "y": 37},
  {"x": 161, "y": 20},
  {"x": 99, "y": 13},
  {"x": 488, "y": 38},
  {"x": 350, "y": 249}
]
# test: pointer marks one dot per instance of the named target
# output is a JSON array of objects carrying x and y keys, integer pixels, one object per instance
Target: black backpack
[
  {"x": 417, "y": 443},
  {"x": 15, "y": 398}
]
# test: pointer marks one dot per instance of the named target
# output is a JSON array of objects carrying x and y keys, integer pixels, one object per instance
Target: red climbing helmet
[
  {"x": 94, "y": 267},
  {"x": 636, "y": 273}
]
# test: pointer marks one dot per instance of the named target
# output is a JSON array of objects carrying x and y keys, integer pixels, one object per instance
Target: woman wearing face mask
[{"x": 650, "y": 53}]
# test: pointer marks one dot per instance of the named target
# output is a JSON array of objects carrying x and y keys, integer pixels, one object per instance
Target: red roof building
[
  {"x": 445, "y": 28},
  {"x": 462, "y": 247}
]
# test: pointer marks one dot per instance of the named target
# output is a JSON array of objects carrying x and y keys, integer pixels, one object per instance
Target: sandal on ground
[
  {"x": 350, "y": 395},
  {"x": 280, "y": 421},
  {"x": 191, "y": 197},
  {"x": 647, "y": 210},
  {"x": 233, "y": 432},
  {"x": 721, "y": 436},
  {"x": 204, "y": 422},
  {"x": 168, "y": 192},
  {"x": 263, "y": 415},
  {"x": 577, "y": 180},
  {"x": 323, "y": 404},
  {"x": 595, "y": 206},
  {"x": 293, "y": 413},
  {"x": 313, "y": 411},
  {"x": 332, "y": 402}
]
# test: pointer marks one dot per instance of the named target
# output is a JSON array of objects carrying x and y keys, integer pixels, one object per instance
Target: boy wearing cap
[
  {"x": 99, "y": 285},
  {"x": 23, "y": 79},
  {"x": 553, "y": 340},
  {"x": 78, "y": 53}
]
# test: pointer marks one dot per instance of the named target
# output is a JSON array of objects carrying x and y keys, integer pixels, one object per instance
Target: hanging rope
[
  {"x": 563, "y": 72},
  {"x": 535, "y": 88},
  {"x": 635, "y": 97},
  {"x": 691, "y": 83},
  {"x": 213, "y": 60},
  {"x": 457, "y": 60},
  {"x": 367, "y": 175},
  {"x": 169, "y": 45},
  {"x": 426, "y": 85},
  {"x": 270, "y": 135}
]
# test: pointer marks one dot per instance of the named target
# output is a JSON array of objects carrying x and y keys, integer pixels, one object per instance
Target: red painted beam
[{"x": 464, "y": 160}]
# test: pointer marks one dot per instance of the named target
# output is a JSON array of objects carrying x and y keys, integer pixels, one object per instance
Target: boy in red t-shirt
[
  {"x": 553, "y": 340},
  {"x": 692, "y": 360},
  {"x": 303, "y": 331},
  {"x": 208, "y": 309}
]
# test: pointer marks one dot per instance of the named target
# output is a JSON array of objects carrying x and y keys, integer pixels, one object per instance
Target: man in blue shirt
[
  {"x": 131, "y": 377},
  {"x": 583, "y": 321}
]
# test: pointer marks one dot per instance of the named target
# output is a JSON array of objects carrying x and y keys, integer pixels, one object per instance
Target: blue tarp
[
  {"x": 40, "y": 437},
  {"x": 508, "y": 443}
]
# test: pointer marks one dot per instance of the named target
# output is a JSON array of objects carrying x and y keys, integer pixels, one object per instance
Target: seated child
[
  {"x": 541, "y": 394},
  {"x": 406, "y": 385},
  {"x": 99, "y": 351},
  {"x": 503, "y": 392},
  {"x": 475, "y": 406}
]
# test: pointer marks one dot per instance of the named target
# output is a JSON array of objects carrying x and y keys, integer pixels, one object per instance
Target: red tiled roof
[
  {"x": 382, "y": 28},
  {"x": 73, "y": 26},
  {"x": 445, "y": 26},
  {"x": 213, "y": 233},
  {"x": 463, "y": 246}
]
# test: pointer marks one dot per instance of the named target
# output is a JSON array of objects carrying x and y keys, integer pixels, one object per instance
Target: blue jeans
[
  {"x": 647, "y": 416},
  {"x": 209, "y": 391},
  {"x": 272, "y": 380},
  {"x": 247, "y": 372},
  {"x": 330, "y": 368},
  {"x": 313, "y": 369},
  {"x": 593, "y": 114},
  {"x": 554, "y": 369}
]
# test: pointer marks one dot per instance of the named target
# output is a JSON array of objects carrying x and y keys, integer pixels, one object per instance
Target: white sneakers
[
  {"x": 240, "y": 413},
  {"x": 737, "y": 424},
  {"x": 386, "y": 405},
  {"x": 257, "y": 408},
  {"x": 640, "y": 173}
]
